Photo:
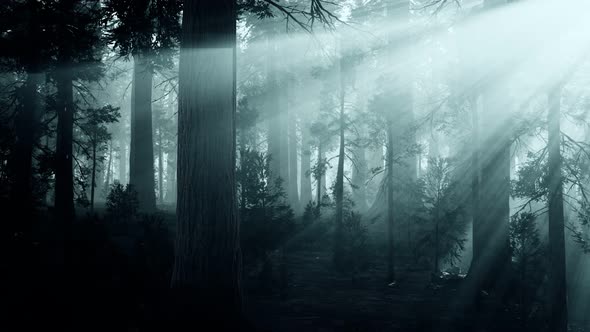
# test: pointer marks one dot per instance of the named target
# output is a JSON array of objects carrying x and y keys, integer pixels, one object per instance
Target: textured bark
[
  {"x": 305, "y": 186},
  {"x": 206, "y": 273},
  {"x": 141, "y": 149},
  {"x": 557, "y": 269}
]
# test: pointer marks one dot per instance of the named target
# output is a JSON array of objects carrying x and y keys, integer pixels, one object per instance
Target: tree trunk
[
  {"x": 107, "y": 182},
  {"x": 141, "y": 149},
  {"x": 292, "y": 147},
  {"x": 274, "y": 131},
  {"x": 206, "y": 273},
  {"x": 359, "y": 177},
  {"x": 339, "y": 187},
  {"x": 319, "y": 177},
  {"x": 160, "y": 167},
  {"x": 64, "y": 174},
  {"x": 557, "y": 268},
  {"x": 93, "y": 176},
  {"x": 305, "y": 165},
  {"x": 492, "y": 241},
  {"x": 123, "y": 162},
  {"x": 390, "y": 221},
  {"x": 171, "y": 178},
  {"x": 475, "y": 181}
]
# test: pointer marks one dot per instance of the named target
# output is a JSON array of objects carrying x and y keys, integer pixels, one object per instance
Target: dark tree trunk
[
  {"x": 475, "y": 181},
  {"x": 206, "y": 273},
  {"x": 305, "y": 165},
  {"x": 339, "y": 187},
  {"x": 319, "y": 178},
  {"x": 557, "y": 269},
  {"x": 64, "y": 173},
  {"x": 275, "y": 131},
  {"x": 390, "y": 221},
  {"x": 141, "y": 149},
  {"x": 292, "y": 147},
  {"x": 93, "y": 176},
  {"x": 160, "y": 167}
]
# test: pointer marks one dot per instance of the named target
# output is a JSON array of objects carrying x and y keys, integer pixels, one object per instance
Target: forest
[{"x": 295, "y": 165}]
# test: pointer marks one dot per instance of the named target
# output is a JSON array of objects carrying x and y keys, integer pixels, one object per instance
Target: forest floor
[{"x": 319, "y": 300}]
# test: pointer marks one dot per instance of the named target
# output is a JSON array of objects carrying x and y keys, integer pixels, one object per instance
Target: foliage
[
  {"x": 356, "y": 250},
  {"x": 122, "y": 203},
  {"x": 144, "y": 28},
  {"x": 527, "y": 256},
  {"x": 445, "y": 236},
  {"x": 267, "y": 220}
]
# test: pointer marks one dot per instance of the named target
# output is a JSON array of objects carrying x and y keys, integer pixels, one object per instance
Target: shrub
[{"x": 122, "y": 202}]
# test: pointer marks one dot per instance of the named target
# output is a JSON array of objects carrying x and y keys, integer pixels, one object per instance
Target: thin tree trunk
[
  {"x": 339, "y": 188},
  {"x": 206, "y": 273},
  {"x": 141, "y": 150},
  {"x": 171, "y": 178},
  {"x": 93, "y": 176},
  {"x": 305, "y": 165},
  {"x": 107, "y": 183},
  {"x": 160, "y": 167},
  {"x": 319, "y": 177},
  {"x": 292, "y": 147},
  {"x": 390, "y": 221},
  {"x": 64, "y": 174},
  {"x": 359, "y": 177},
  {"x": 557, "y": 280}
]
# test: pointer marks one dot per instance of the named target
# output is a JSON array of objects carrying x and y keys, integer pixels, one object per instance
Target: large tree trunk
[
  {"x": 339, "y": 187},
  {"x": 475, "y": 181},
  {"x": 64, "y": 174},
  {"x": 305, "y": 165},
  {"x": 206, "y": 273},
  {"x": 491, "y": 242},
  {"x": 557, "y": 277},
  {"x": 390, "y": 215},
  {"x": 141, "y": 149}
]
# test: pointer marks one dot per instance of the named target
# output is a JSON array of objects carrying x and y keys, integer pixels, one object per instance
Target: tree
[
  {"x": 557, "y": 279},
  {"x": 207, "y": 204},
  {"x": 97, "y": 138},
  {"x": 145, "y": 30}
]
